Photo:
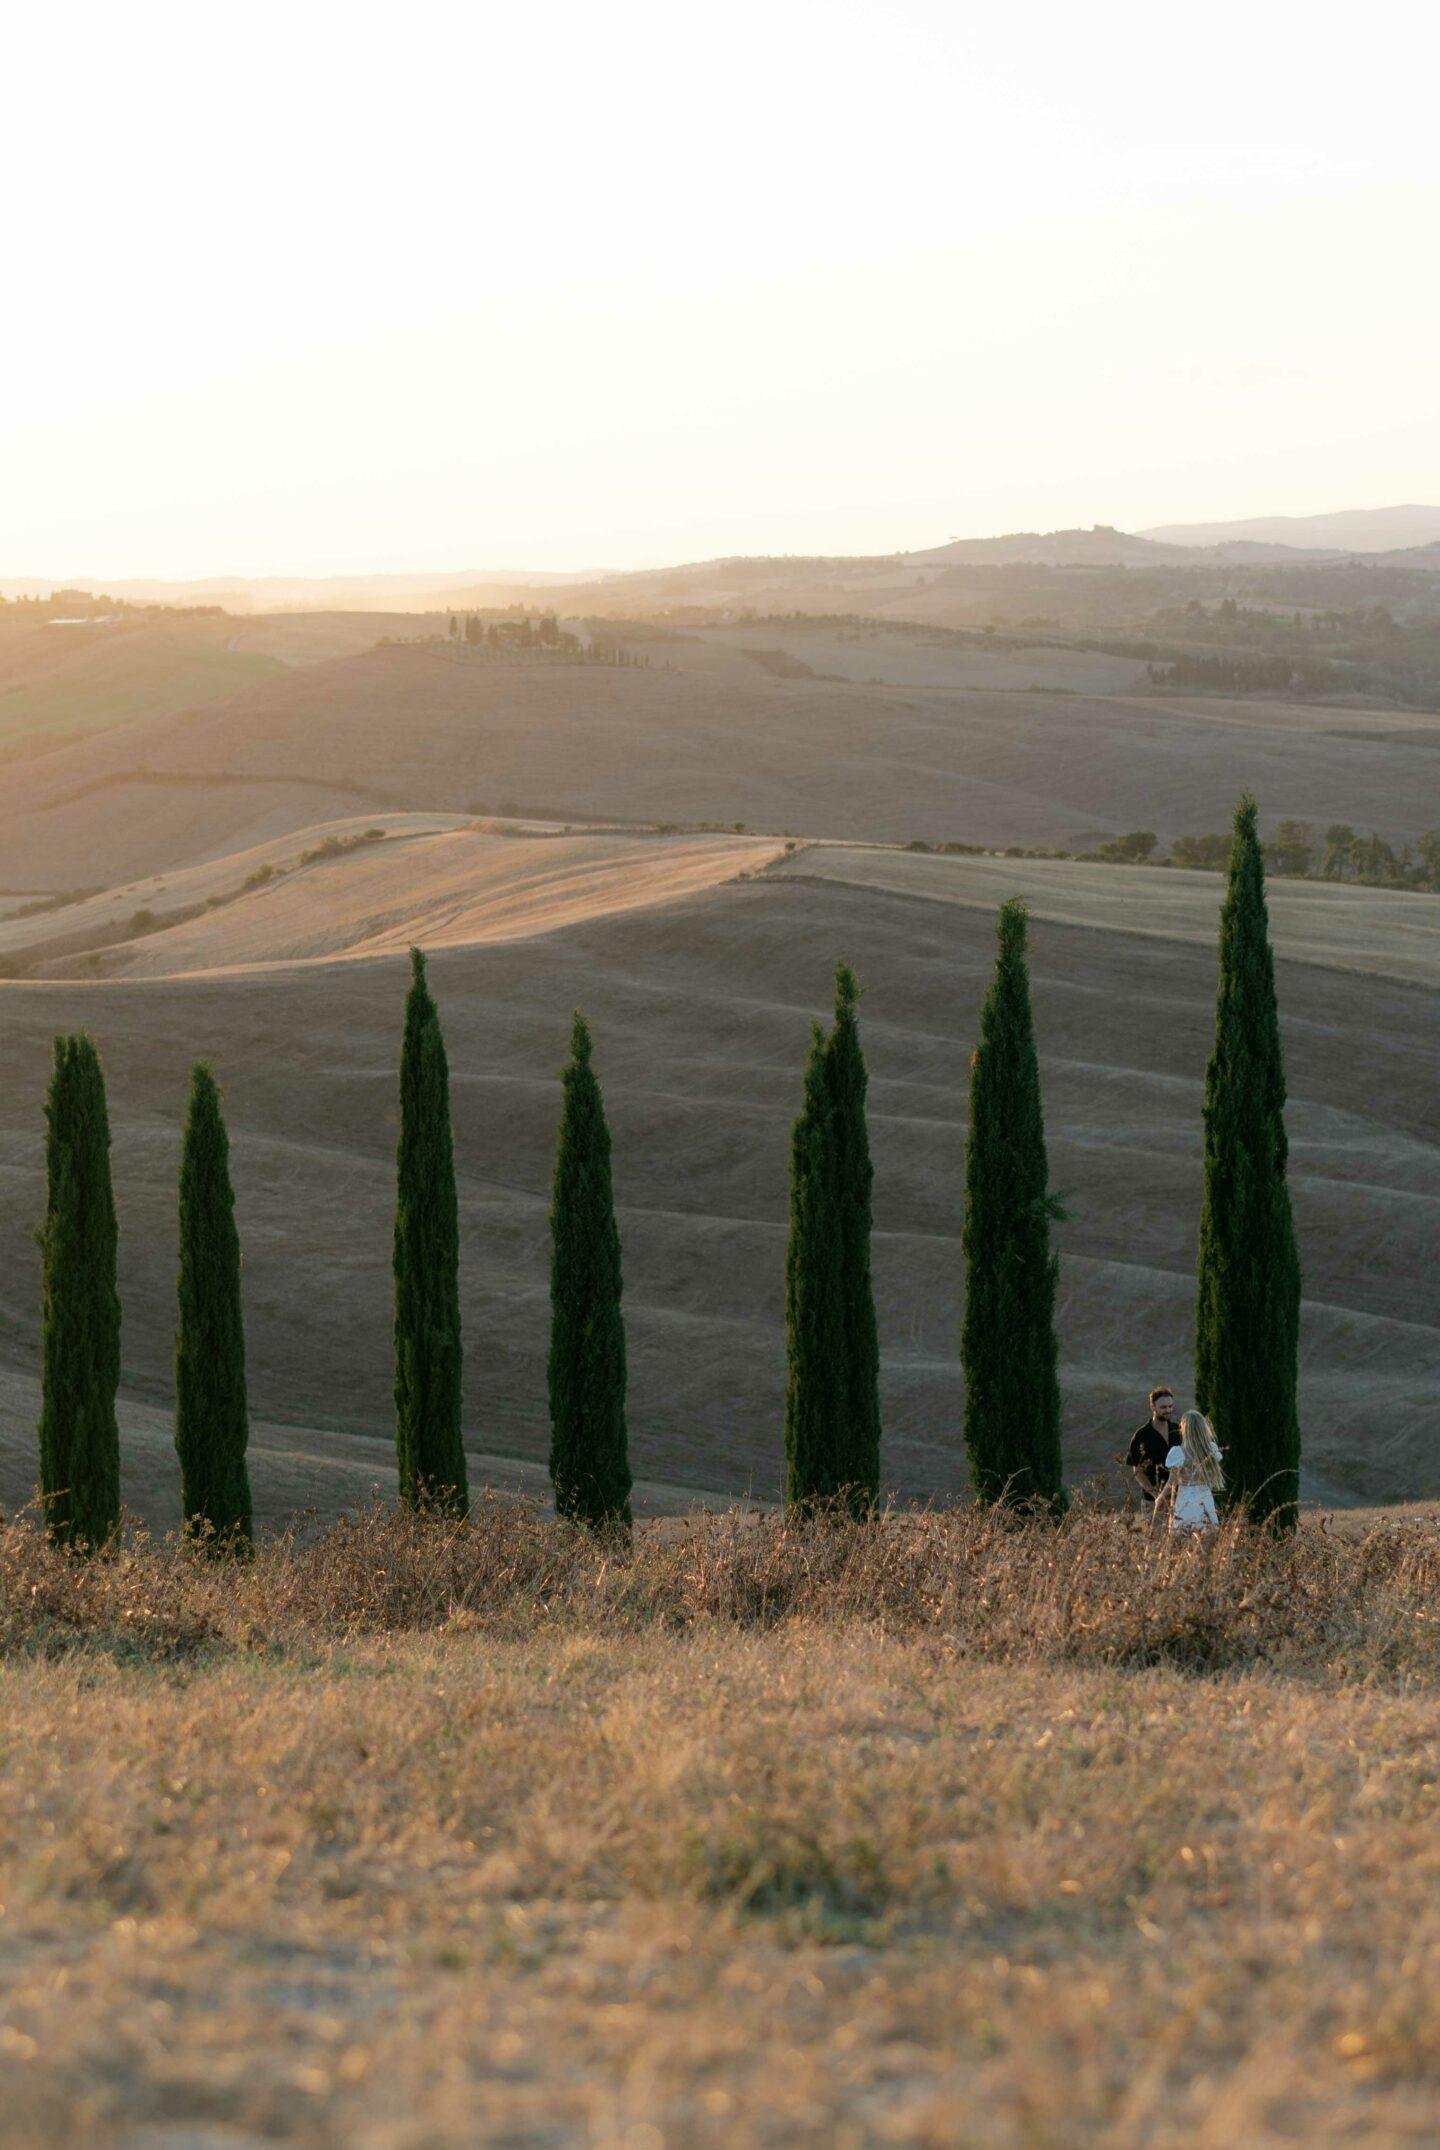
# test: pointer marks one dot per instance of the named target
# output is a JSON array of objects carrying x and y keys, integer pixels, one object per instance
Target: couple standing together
[{"x": 1178, "y": 1468}]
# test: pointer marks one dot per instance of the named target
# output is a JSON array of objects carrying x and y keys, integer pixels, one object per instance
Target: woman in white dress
[{"x": 1196, "y": 1475}]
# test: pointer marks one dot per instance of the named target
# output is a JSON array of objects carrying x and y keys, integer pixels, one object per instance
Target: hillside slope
[
  {"x": 341, "y": 890},
  {"x": 62, "y": 682},
  {"x": 708, "y": 734},
  {"x": 701, "y": 1009},
  {"x": 1347, "y": 529}
]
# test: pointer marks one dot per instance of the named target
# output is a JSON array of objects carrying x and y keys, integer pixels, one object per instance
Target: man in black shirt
[{"x": 1150, "y": 1444}]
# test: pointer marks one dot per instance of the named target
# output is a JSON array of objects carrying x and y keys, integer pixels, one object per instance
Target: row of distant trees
[
  {"x": 1297, "y": 851},
  {"x": 523, "y": 633},
  {"x": 90, "y": 604},
  {"x": 1360, "y": 650},
  {"x": 542, "y": 635},
  {"x": 1300, "y": 851},
  {"x": 1247, "y": 1306},
  {"x": 1241, "y": 672}
]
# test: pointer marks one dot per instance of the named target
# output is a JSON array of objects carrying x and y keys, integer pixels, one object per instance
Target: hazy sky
[{"x": 310, "y": 288}]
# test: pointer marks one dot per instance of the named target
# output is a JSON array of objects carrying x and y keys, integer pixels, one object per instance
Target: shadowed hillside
[
  {"x": 701, "y": 1010},
  {"x": 249, "y": 874},
  {"x": 916, "y": 747}
]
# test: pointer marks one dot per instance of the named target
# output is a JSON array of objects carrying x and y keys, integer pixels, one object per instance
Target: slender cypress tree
[
  {"x": 589, "y": 1456},
  {"x": 1247, "y": 1325},
  {"x": 857, "y": 1430},
  {"x": 80, "y": 1348},
  {"x": 815, "y": 1392},
  {"x": 1007, "y": 1348},
  {"x": 212, "y": 1423},
  {"x": 429, "y": 1447}
]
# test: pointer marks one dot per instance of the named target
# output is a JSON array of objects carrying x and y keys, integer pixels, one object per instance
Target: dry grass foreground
[{"x": 940, "y": 1832}]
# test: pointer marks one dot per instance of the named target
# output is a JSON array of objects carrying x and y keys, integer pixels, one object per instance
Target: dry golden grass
[
  {"x": 1103, "y": 1588},
  {"x": 936, "y": 1833}
]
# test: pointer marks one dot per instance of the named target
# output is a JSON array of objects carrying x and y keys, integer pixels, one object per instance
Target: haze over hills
[
  {"x": 1344, "y": 530},
  {"x": 1355, "y": 530},
  {"x": 288, "y": 593}
]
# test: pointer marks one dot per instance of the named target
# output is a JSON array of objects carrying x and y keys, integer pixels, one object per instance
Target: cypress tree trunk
[
  {"x": 1008, "y": 1348},
  {"x": 589, "y": 1456},
  {"x": 212, "y": 1424},
  {"x": 79, "y": 1438},
  {"x": 857, "y": 1430},
  {"x": 429, "y": 1447},
  {"x": 1247, "y": 1325},
  {"x": 815, "y": 1392}
]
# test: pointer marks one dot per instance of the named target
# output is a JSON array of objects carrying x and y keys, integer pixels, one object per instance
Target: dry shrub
[{"x": 1099, "y": 1588}]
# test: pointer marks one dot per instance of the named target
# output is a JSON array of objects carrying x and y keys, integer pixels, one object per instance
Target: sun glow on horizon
[{"x": 326, "y": 290}]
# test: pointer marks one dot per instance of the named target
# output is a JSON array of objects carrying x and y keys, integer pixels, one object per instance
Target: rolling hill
[
  {"x": 538, "y": 832},
  {"x": 1345, "y": 530},
  {"x": 760, "y": 727},
  {"x": 63, "y": 682},
  {"x": 701, "y": 986},
  {"x": 352, "y": 888},
  {"x": 68, "y": 681}
]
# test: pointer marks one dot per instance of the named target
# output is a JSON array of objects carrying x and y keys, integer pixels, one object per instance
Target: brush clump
[{"x": 1094, "y": 1589}]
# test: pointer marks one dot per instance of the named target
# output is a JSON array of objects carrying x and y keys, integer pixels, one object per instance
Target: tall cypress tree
[
  {"x": 1008, "y": 1348},
  {"x": 589, "y": 1456},
  {"x": 858, "y": 1430},
  {"x": 1247, "y": 1325},
  {"x": 80, "y": 1347},
  {"x": 212, "y": 1424},
  {"x": 429, "y": 1447},
  {"x": 815, "y": 1390}
]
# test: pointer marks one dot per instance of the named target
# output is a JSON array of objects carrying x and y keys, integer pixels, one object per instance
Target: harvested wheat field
[
  {"x": 1374, "y": 932},
  {"x": 606, "y": 1157},
  {"x": 241, "y": 882},
  {"x": 706, "y": 734},
  {"x": 371, "y": 888},
  {"x": 927, "y": 1834},
  {"x": 701, "y": 989}
]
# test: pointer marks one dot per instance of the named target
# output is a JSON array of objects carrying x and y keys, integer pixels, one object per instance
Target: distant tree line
[
  {"x": 91, "y": 604},
  {"x": 540, "y": 636},
  {"x": 1297, "y": 851},
  {"x": 1248, "y": 1279},
  {"x": 524, "y": 633},
  {"x": 1329, "y": 651},
  {"x": 1237, "y": 673},
  {"x": 1300, "y": 851}
]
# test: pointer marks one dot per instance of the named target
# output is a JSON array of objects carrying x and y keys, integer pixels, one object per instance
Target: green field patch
[{"x": 125, "y": 676}]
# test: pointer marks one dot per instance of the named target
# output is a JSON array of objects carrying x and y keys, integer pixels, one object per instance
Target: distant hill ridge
[
  {"x": 1346, "y": 530},
  {"x": 1100, "y": 546},
  {"x": 1409, "y": 535}
]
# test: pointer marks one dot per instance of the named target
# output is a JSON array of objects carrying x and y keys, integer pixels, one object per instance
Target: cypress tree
[
  {"x": 212, "y": 1424},
  {"x": 589, "y": 1456},
  {"x": 857, "y": 1430},
  {"x": 815, "y": 1391},
  {"x": 80, "y": 1348},
  {"x": 429, "y": 1448},
  {"x": 1247, "y": 1324},
  {"x": 1008, "y": 1348}
]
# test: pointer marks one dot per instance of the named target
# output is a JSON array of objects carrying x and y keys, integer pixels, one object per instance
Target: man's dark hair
[{"x": 1163, "y": 1390}]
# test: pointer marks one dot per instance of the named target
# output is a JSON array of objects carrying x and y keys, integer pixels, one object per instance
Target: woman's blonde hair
[{"x": 1202, "y": 1450}]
